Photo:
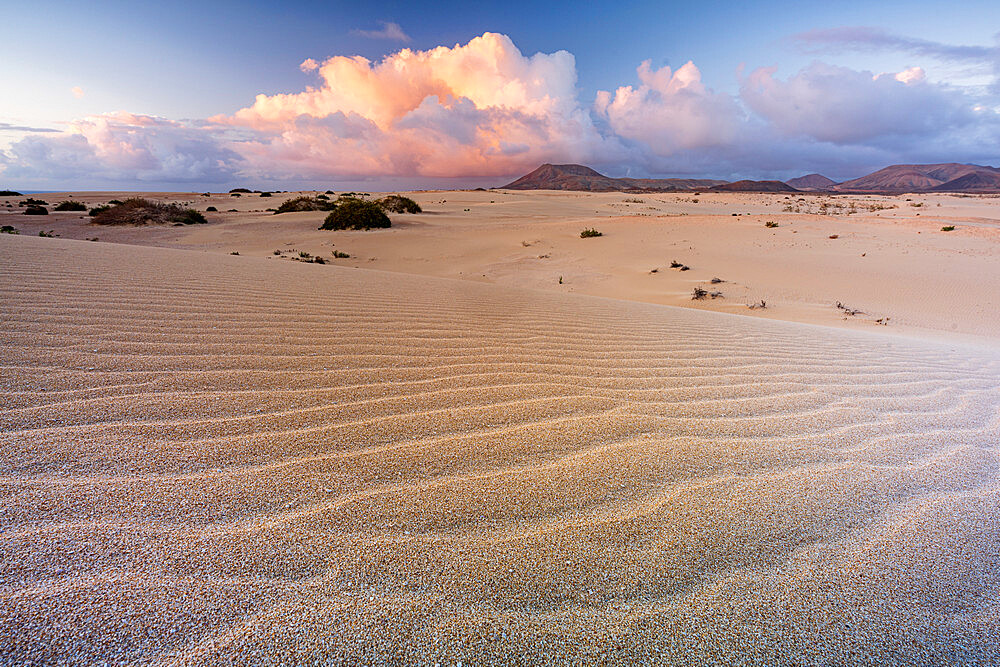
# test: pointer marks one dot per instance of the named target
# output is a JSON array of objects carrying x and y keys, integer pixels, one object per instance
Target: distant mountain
[
  {"x": 754, "y": 186},
  {"x": 811, "y": 182},
  {"x": 948, "y": 177},
  {"x": 579, "y": 177}
]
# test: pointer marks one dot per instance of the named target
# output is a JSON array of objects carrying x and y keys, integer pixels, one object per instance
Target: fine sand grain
[{"x": 212, "y": 459}]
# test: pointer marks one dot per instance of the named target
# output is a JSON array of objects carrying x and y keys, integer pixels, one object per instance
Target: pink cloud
[
  {"x": 670, "y": 111},
  {"x": 482, "y": 108}
]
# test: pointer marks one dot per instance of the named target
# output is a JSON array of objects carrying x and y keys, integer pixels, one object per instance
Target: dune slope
[{"x": 208, "y": 458}]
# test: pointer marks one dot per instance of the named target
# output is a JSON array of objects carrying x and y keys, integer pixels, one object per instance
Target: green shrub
[
  {"x": 31, "y": 201},
  {"x": 590, "y": 233},
  {"x": 98, "y": 209},
  {"x": 36, "y": 210},
  {"x": 356, "y": 214},
  {"x": 399, "y": 204},
  {"x": 70, "y": 206},
  {"x": 299, "y": 204},
  {"x": 770, "y": 224},
  {"x": 336, "y": 253},
  {"x": 139, "y": 211},
  {"x": 8, "y": 229},
  {"x": 948, "y": 228}
]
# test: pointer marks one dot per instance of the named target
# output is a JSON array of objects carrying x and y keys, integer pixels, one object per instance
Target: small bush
[
  {"x": 319, "y": 260},
  {"x": 36, "y": 210},
  {"x": 323, "y": 197},
  {"x": 716, "y": 281},
  {"x": 139, "y": 211},
  {"x": 48, "y": 234},
  {"x": 70, "y": 206},
  {"x": 7, "y": 229},
  {"x": 114, "y": 202},
  {"x": 948, "y": 228},
  {"x": 238, "y": 190},
  {"x": 699, "y": 293},
  {"x": 356, "y": 214},
  {"x": 98, "y": 210},
  {"x": 399, "y": 204},
  {"x": 834, "y": 236},
  {"x": 304, "y": 255},
  {"x": 590, "y": 233},
  {"x": 265, "y": 194},
  {"x": 276, "y": 252},
  {"x": 299, "y": 204},
  {"x": 235, "y": 252},
  {"x": 770, "y": 224},
  {"x": 674, "y": 264},
  {"x": 340, "y": 255},
  {"x": 235, "y": 194},
  {"x": 31, "y": 201},
  {"x": 211, "y": 209}
]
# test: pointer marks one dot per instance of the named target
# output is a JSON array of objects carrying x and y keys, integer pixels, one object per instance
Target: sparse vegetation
[
  {"x": 948, "y": 228},
  {"x": 304, "y": 255},
  {"x": 114, "y": 202},
  {"x": 139, "y": 211},
  {"x": 300, "y": 204},
  {"x": 98, "y": 209},
  {"x": 8, "y": 229},
  {"x": 849, "y": 311},
  {"x": 674, "y": 264},
  {"x": 590, "y": 233},
  {"x": 235, "y": 252},
  {"x": 211, "y": 209},
  {"x": 834, "y": 236},
  {"x": 352, "y": 213},
  {"x": 340, "y": 255},
  {"x": 399, "y": 204},
  {"x": 770, "y": 224},
  {"x": 70, "y": 206},
  {"x": 699, "y": 293},
  {"x": 716, "y": 281},
  {"x": 48, "y": 235},
  {"x": 757, "y": 305},
  {"x": 31, "y": 201},
  {"x": 238, "y": 190},
  {"x": 319, "y": 260},
  {"x": 36, "y": 210},
  {"x": 265, "y": 194},
  {"x": 277, "y": 252}
]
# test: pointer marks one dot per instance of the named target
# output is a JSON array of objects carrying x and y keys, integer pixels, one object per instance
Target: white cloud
[{"x": 389, "y": 30}]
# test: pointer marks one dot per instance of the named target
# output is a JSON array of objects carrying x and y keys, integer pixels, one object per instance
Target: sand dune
[{"x": 211, "y": 459}]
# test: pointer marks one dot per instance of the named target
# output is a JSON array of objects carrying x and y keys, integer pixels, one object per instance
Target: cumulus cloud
[
  {"x": 843, "y": 106},
  {"x": 482, "y": 109},
  {"x": 124, "y": 146},
  {"x": 485, "y": 110},
  {"x": 389, "y": 30},
  {"x": 670, "y": 111}
]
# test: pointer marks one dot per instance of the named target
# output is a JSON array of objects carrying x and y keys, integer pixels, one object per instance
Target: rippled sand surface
[{"x": 211, "y": 459}]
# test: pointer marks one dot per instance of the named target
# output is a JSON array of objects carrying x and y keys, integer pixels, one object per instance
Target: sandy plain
[{"x": 210, "y": 458}]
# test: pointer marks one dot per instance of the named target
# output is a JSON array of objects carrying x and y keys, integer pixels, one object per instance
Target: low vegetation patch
[
  {"x": 70, "y": 206},
  {"x": 139, "y": 211},
  {"x": 590, "y": 233},
  {"x": 770, "y": 224},
  {"x": 352, "y": 213},
  {"x": 948, "y": 228},
  {"x": 31, "y": 201},
  {"x": 399, "y": 204},
  {"x": 8, "y": 229},
  {"x": 36, "y": 210},
  {"x": 238, "y": 190},
  {"x": 98, "y": 209},
  {"x": 340, "y": 255},
  {"x": 211, "y": 209},
  {"x": 48, "y": 235},
  {"x": 300, "y": 204}
]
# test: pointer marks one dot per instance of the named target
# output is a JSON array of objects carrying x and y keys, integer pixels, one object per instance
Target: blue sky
[{"x": 188, "y": 62}]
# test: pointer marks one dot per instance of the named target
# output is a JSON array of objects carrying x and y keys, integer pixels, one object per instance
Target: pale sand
[
  {"x": 887, "y": 263},
  {"x": 213, "y": 459}
]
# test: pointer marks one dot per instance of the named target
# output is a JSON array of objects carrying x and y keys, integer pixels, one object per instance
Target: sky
[{"x": 392, "y": 95}]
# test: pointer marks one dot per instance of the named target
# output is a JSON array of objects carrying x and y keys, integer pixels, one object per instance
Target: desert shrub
[
  {"x": 98, "y": 209},
  {"x": 211, "y": 209},
  {"x": 31, "y": 201},
  {"x": 238, "y": 190},
  {"x": 139, "y": 211},
  {"x": 36, "y": 210},
  {"x": 770, "y": 224},
  {"x": 70, "y": 206},
  {"x": 319, "y": 260},
  {"x": 340, "y": 255},
  {"x": 328, "y": 192},
  {"x": 699, "y": 293},
  {"x": 48, "y": 234},
  {"x": 235, "y": 194},
  {"x": 590, "y": 233},
  {"x": 716, "y": 281},
  {"x": 277, "y": 252},
  {"x": 299, "y": 204},
  {"x": 356, "y": 214},
  {"x": 8, "y": 229},
  {"x": 323, "y": 197},
  {"x": 235, "y": 252},
  {"x": 948, "y": 228},
  {"x": 265, "y": 194},
  {"x": 115, "y": 202},
  {"x": 399, "y": 204},
  {"x": 9, "y": 193},
  {"x": 304, "y": 255}
]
